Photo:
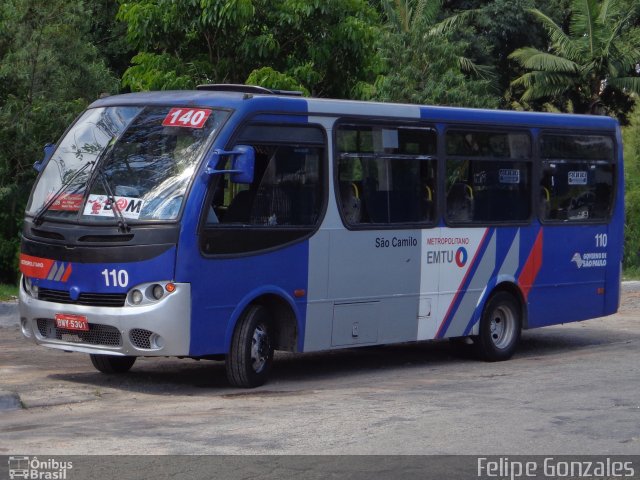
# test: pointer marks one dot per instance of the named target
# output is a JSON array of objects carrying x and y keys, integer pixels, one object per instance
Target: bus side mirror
[
  {"x": 49, "y": 148},
  {"x": 242, "y": 164}
]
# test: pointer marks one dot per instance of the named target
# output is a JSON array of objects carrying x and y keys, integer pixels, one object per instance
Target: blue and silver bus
[{"x": 231, "y": 221}]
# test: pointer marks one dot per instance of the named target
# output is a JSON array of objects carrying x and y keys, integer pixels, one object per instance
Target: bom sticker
[{"x": 101, "y": 206}]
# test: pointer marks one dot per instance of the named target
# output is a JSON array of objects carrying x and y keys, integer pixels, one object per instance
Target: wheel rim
[
  {"x": 502, "y": 327},
  {"x": 259, "y": 348}
]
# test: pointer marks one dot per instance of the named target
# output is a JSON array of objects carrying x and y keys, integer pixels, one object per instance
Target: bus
[{"x": 230, "y": 221}]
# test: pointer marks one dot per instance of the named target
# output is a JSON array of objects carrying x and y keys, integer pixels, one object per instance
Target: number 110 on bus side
[{"x": 601, "y": 240}]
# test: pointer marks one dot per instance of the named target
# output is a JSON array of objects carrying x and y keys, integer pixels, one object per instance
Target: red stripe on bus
[
  {"x": 67, "y": 272},
  {"x": 531, "y": 267},
  {"x": 35, "y": 267}
]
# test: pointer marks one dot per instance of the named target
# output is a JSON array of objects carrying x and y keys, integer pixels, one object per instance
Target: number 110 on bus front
[{"x": 115, "y": 278}]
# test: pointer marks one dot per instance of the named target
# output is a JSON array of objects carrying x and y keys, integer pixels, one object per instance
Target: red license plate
[{"x": 72, "y": 322}]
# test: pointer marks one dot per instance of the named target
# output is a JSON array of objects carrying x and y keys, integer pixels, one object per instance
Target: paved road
[{"x": 570, "y": 389}]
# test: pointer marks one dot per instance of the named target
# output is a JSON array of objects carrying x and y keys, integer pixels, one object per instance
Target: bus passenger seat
[
  {"x": 545, "y": 203},
  {"x": 460, "y": 203},
  {"x": 351, "y": 204}
]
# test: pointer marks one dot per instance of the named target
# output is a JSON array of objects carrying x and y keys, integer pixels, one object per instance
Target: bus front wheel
[
  {"x": 251, "y": 355},
  {"x": 111, "y": 363},
  {"x": 500, "y": 328}
]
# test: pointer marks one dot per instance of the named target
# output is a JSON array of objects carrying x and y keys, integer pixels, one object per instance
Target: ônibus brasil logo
[{"x": 461, "y": 257}]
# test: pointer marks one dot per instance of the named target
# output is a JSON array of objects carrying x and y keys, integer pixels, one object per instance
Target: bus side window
[
  {"x": 284, "y": 201},
  {"x": 386, "y": 174},
  {"x": 286, "y": 189},
  {"x": 577, "y": 181},
  {"x": 488, "y": 175}
]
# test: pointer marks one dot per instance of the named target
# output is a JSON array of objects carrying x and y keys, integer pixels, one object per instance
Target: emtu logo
[{"x": 461, "y": 257}]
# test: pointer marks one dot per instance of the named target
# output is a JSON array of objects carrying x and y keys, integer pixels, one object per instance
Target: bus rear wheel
[
  {"x": 111, "y": 363},
  {"x": 251, "y": 355},
  {"x": 500, "y": 328}
]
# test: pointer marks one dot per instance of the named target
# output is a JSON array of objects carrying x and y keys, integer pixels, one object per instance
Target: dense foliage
[
  {"x": 49, "y": 72},
  {"x": 565, "y": 55}
]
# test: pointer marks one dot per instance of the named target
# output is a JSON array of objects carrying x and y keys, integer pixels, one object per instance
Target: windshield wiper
[
  {"x": 99, "y": 172},
  {"x": 122, "y": 223},
  {"x": 37, "y": 219}
]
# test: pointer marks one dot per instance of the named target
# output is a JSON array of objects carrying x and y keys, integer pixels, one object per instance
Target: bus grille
[
  {"x": 98, "y": 334},
  {"x": 92, "y": 299},
  {"x": 140, "y": 337}
]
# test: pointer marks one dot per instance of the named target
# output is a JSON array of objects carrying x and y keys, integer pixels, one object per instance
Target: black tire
[
  {"x": 500, "y": 328},
  {"x": 251, "y": 355},
  {"x": 111, "y": 364}
]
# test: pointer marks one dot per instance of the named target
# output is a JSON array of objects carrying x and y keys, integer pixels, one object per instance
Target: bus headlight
[
  {"x": 30, "y": 287},
  {"x": 150, "y": 293},
  {"x": 136, "y": 297},
  {"x": 157, "y": 291}
]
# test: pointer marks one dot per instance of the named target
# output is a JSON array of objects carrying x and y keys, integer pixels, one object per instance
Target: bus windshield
[{"x": 138, "y": 160}]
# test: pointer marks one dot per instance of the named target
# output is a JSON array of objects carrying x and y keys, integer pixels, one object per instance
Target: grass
[
  {"x": 631, "y": 273},
  {"x": 8, "y": 292}
]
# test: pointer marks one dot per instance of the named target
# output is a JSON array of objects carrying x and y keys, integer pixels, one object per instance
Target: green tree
[
  {"x": 592, "y": 68},
  {"x": 108, "y": 34},
  {"x": 319, "y": 46},
  {"x": 631, "y": 141},
  {"x": 427, "y": 68},
  {"x": 48, "y": 74}
]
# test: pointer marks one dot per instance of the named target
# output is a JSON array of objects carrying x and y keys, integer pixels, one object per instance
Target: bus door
[{"x": 385, "y": 189}]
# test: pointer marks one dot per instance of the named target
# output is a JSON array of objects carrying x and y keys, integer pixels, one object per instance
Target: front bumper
[{"x": 158, "y": 329}]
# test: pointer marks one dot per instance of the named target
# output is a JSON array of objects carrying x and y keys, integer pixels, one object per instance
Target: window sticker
[
  {"x": 186, "y": 117},
  {"x": 70, "y": 202},
  {"x": 577, "y": 178},
  {"x": 390, "y": 138},
  {"x": 509, "y": 175},
  {"x": 101, "y": 206}
]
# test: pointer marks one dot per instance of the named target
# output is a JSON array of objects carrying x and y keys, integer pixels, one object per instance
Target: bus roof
[{"x": 267, "y": 103}]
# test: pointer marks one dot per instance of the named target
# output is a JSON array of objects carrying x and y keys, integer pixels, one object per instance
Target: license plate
[{"x": 72, "y": 322}]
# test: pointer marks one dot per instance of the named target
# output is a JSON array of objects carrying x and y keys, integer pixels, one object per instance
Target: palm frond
[
  {"x": 562, "y": 43},
  {"x": 610, "y": 9},
  {"x": 583, "y": 21},
  {"x": 452, "y": 23},
  {"x": 615, "y": 33},
  {"x": 543, "y": 84},
  {"x": 427, "y": 11},
  {"x": 628, "y": 84},
  {"x": 482, "y": 71},
  {"x": 403, "y": 12},
  {"x": 534, "y": 59}
]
